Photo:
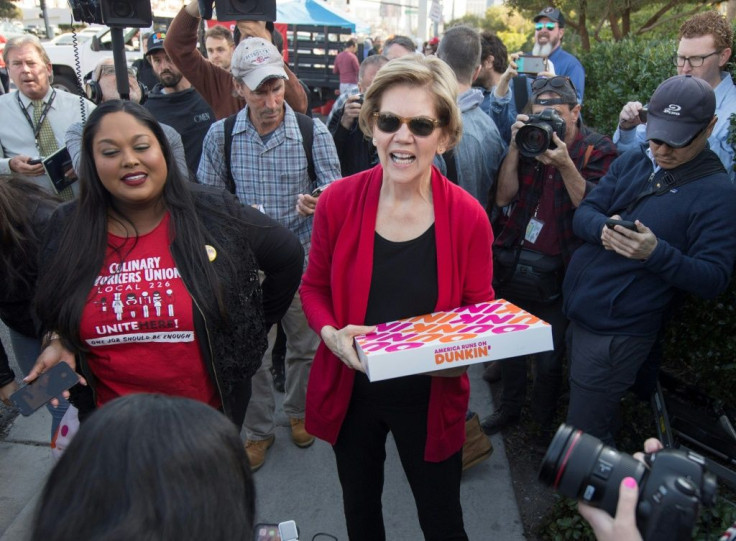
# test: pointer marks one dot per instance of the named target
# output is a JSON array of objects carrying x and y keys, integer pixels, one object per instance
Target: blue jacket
[
  {"x": 481, "y": 150},
  {"x": 696, "y": 246}
]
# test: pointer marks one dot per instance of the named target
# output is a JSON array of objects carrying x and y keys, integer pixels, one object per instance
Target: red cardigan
[{"x": 337, "y": 282}]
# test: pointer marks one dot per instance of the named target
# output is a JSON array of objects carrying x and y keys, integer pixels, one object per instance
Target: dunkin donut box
[{"x": 487, "y": 331}]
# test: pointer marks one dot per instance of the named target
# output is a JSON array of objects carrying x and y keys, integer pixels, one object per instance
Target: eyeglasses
[
  {"x": 557, "y": 82},
  {"x": 694, "y": 61},
  {"x": 548, "y": 26},
  {"x": 421, "y": 126}
]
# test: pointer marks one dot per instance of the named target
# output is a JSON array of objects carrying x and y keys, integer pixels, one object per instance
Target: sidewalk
[{"x": 294, "y": 484}]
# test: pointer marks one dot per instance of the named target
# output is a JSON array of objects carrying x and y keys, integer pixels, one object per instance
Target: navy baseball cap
[
  {"x": 155, "y": 42},
  {"x": 553, "y": 14},
  {"x": 680, "y": 109}
]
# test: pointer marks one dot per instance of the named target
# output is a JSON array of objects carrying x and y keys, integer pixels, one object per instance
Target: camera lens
[
  {"x": 579, "y": 466},
  {"x": 533, "y": 139}
]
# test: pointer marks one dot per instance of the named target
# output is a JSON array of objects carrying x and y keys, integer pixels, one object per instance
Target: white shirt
[{"x": 16, "y": 134}]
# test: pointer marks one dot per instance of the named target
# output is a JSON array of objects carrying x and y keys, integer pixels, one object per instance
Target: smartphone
[
  {"x": 530, "y": 64},
  {"x": 360, "y": 99},
  {"x": 317, "y": 192},
  {"x": 643, "y": 114},
  {"x": 34, "y": 161},
  {"x": 48, "y": 385},
  {"x": 610, "y": 222},
  {"x": 266, "y": 532},
  {"x": 288, "y": 531}
]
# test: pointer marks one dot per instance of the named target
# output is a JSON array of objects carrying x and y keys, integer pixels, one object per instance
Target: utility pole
[{"x": 45, "y": 17}]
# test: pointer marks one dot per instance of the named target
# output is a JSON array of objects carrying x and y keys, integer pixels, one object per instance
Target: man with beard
[
  {"x": 175, "y": 102},
  {"x": 549, "y": 25}
]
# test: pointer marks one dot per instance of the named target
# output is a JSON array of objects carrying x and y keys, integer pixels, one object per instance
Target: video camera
[
  {"x": 535, "y": 136},
  {"x": 238, "y": 10},
  {"x": 130, "y": 13},
  {"x": 672, "y": 483}
]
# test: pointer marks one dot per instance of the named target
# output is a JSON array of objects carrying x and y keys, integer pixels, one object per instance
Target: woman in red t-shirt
[{"x": 152, "y": 281}]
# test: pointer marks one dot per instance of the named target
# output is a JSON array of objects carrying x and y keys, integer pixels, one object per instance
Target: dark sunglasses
[
  {"x": 558, "y": 81},
  {"x": 549, "y": 26},
  {"x": 418, "y": 125}
]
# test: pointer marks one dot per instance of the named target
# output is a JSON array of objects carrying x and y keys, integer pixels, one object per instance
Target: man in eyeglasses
[
  {"x": 549, "y": 26},
  {"x": 539, "y": 195},
  {"x": 680, "y": 236},
  {"x": 703, "y": 50}
]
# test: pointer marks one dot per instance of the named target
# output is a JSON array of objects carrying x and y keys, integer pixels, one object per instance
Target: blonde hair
[
  {"x": 421, "y": 72},
  {"x": 26, "y": 39}
]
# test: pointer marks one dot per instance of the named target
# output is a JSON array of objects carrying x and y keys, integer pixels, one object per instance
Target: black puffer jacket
[{"x": 232, "y": 349}]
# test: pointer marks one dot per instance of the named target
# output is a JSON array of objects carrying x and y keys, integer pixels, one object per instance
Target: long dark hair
[
  {"x": 21, "y": 201},
  {"x": 63, "y": 290},
  {"x": 150, "y": 467}
]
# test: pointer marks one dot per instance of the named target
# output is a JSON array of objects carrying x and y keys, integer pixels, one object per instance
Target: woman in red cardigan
[{"x": 395, "y": 241}]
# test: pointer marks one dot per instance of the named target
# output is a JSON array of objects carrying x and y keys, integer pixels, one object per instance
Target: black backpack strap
[
  {"x": 449, "y": 158},
  {"x": 229, "y": 125},
  {"x": 306, "y": 127}
]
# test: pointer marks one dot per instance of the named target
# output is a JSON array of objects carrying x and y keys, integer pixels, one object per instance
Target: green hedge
[{"x": 619, "y": 72}]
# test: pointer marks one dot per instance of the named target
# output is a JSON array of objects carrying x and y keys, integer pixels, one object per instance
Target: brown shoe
[
  {"x": 256, "y": 451},
  {"x": 299, "y": 434},
  {"x": 477, "y": 446}
]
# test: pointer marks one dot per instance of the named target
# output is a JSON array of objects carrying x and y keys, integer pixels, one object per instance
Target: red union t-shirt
[{"x": 139, "y": 325}]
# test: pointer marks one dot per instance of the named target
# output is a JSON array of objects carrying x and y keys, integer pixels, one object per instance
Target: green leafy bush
[{"x": 619, "y": 72}]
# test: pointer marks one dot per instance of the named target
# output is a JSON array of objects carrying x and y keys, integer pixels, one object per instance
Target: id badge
[{"x": 533, "y": 229}]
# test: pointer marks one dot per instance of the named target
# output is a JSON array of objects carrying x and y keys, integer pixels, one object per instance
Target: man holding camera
[
  {"x": 540, "y": 188},
  {"x": 356, "y": 153},
  {"x": 214, "y": 83},
  {"x": 266, "y": 166},
  {"x": 703, "y": 50},
  {"x": 661, "y": 220}
]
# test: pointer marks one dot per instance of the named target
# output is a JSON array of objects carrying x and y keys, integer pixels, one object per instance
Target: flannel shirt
[
  {"x": 271, "y": 174},
  {"x": 531, "y": 177}
]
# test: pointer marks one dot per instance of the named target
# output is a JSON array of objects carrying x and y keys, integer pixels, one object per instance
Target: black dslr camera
[
  {"x": 536, "y": 135},
  {"x": 672, "y": 485}
]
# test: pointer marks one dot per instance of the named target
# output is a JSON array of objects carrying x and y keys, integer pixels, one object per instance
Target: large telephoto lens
[
  {"x": 533, "y": 139},
  {"x": 579, "y": 466}
]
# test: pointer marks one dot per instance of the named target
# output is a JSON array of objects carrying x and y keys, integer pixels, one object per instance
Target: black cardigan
[{"x": 232, "y": 349}]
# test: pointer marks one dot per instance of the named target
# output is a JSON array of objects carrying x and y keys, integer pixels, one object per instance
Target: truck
[
  {"x": 312, "y": 50},
  {"x": 70, "y": 63}
]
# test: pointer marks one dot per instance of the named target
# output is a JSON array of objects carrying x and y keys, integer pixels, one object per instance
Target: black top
[
  {"x": 403, "y": 284},
  {"x": 187, "y": 113}
]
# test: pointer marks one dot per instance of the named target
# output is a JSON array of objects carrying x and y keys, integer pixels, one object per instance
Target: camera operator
[
  {"x": 540, "y": 194},
  {"x": 212, "y": 82},
  {"x": 356, "y": 153}
]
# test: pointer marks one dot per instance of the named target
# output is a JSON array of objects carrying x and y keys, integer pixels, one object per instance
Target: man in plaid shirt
[
  {"x": 540, "y": 194},
  {"x": 269, "y": 169}
]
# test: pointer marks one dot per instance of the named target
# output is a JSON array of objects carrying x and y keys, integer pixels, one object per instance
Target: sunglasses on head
[
  {"x": 548, "y": 26},
  {"x": 418, "y": 125}
]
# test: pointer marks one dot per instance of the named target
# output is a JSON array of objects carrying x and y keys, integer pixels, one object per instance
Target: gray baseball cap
[{"x": 255, "y": 61}]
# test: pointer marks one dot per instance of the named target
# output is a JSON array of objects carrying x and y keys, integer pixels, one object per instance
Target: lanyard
[{"x": 37, "y": 128}]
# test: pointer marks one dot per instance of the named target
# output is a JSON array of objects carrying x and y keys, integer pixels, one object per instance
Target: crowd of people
[{"x": 206, "y": 212}]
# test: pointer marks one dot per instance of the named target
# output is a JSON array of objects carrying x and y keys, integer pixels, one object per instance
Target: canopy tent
[{"x": 313, "y": 12}]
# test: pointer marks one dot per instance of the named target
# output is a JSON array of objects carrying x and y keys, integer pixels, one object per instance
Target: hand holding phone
[
  {"x": 48, "y": 385},
  {"x": 530, "y": 64},
  {"x": 611, "y": 222},
  {"x": 34, "y": 161}
]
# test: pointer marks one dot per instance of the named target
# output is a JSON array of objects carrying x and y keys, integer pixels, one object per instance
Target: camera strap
[
  {"x": 306, "y": 128},
  {"x": 662, "y": 181}
]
